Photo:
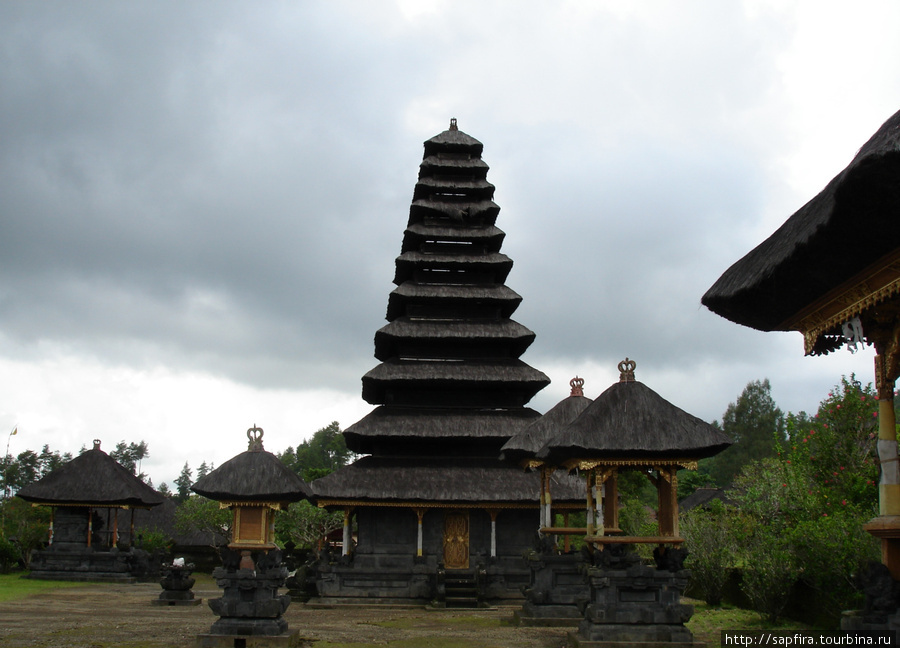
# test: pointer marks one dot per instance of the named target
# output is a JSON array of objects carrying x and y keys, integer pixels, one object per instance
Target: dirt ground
[{"x": 106, "y": 615}]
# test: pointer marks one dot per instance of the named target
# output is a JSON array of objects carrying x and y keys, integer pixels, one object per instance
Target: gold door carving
[{"x": 456, "y": 540}]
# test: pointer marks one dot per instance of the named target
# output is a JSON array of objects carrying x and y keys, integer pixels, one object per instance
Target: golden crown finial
[
  {"x": 626, "y": 370},
  {"x": 255, "y": 435},
  {"x": 576, "y": 384}
]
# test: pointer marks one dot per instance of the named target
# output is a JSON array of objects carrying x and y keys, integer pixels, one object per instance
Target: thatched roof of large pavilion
[
  {"x": 853, "y": 223},
  {"x": 93, "y": 478},
  {"x": 631, "y": 421}
]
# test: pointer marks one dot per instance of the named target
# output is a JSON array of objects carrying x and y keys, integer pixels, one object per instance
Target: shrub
[
  {"x": 9, "y": 556},
  {"x": 709, "y": 540}
]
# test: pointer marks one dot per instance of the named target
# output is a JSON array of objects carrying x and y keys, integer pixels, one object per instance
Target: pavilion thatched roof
[
  {"x": 631, "y": 421},
  {"x": 434, "y": 479},
  {"x": 255, "y": 475},
  {"x": 526, "y": 444},
  {"x": 851, "y": 224},
  {"x": 93, "y": 478}
]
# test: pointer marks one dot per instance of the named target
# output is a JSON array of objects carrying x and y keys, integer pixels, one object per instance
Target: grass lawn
[
  {"x": 708, "y": 623},
  {"x": 13, "y": 586}
]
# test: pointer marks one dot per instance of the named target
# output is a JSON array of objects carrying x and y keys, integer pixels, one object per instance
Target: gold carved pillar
[{"x": 887, "y": 368}]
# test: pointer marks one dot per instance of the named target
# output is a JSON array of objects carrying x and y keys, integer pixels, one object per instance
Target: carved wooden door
[{"x": 456, "y": 540}]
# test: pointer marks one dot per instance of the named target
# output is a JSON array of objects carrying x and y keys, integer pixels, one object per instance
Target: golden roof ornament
[
  {"x": 626, "y": 370},
  {"x": 255, "y": 435},
  {"x": 576, "y": 384}
]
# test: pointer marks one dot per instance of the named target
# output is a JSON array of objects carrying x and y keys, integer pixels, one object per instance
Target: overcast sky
[{"x": 202, "y": 201}]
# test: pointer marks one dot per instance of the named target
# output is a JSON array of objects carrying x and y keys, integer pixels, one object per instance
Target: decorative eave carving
[
  {"x": 590, "y": 464},
  {"x": 871, "y": 287}
]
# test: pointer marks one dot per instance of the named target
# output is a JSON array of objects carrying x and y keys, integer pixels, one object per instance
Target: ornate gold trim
[
  {"x": 277, "y": 506},
  {"x": 874, "y": 285},
  {"x": 324, "y": 503},
  {"x": 590, "y": 464}
]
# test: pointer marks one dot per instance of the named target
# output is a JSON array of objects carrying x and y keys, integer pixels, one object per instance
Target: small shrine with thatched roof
[
  {"x": 254, "y": 485},
  {"x": 86, "y": 496},
  {"x": 631, "y": 427},
  {"x": 557, "y": 584},
  {"x": 832, "y": 272},
  {"x": 439, "y": 517}
]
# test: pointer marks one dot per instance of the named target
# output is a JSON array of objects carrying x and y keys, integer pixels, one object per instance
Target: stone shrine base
[
  {"x": 289, "y": 639},
  {"x": 634, "y": 604},
  {"x": 577, "y": 642}
]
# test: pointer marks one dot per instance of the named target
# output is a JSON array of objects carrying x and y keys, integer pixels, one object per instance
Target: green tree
[
  {"x": 197, "y": 514},
  {"x": 183, "y": 484},
  {"x": 306, "y": 525},
  {"x": 131, "y": 455},
  {"x": 323, "y": 453},
  {"x": 805, "y": 507},
  {"x": 755, "y": 424}
]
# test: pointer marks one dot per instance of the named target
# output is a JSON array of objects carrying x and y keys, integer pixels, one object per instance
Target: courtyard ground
[{"x": 115, "y": 615}]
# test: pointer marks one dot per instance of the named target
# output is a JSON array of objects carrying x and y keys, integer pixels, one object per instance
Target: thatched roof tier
[
  {"x": 443, "y": 301},
  {"x": 432, "y": 480},
  {"x": 412, "y": 337},
  {"x": 472, "y": 383},
  {"x": 453, "y": 142},
  {"x": 491, "y": 267},
  {"x": 526, "y": 444},
  {"x": 453, "y": 189},
  {"x": 93, "y": 478},
  {"x": 485, "y": 239},
  {"x": 464, "y": 165},
  {"x": 438, "y": 423},
  {"x": 631, "y": 421},
  {"x": 449, "y": 211},
  {"x": 809, "y": 256},
  {"x": 252, "y": 476}
]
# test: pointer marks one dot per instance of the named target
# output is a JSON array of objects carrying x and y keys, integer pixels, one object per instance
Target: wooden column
[
  {"x": 420, "y": 513},
  {"x": 493, "y": 514},
  {"x": 667, "y": 496},
  {"x": 611, "y": 500},
  {"x": 887, "y": 525},
  {"x": 115, "y": 536},
  {"x": 50, "y": 531},
  {"x": 90, "y": 524},
  {"x": 589, "y": 513},
  {"x": 345, "y": 542}
]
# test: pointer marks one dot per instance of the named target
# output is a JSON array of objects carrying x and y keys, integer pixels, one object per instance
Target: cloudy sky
[{"x": 202, "y": 201}]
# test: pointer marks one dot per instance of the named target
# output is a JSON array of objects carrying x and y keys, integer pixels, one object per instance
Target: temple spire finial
[
  {"x": 576, "y": 384},
  {"x": 453, "y": 124},
  {"x": 255, "y": 435},
  {"x": 626, "y": 370}
]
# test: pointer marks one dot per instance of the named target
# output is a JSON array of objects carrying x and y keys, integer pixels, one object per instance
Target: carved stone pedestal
[
  {"x": 558, "y": 590},
  {"x": 250, "y": 608},
  {"x": 632, "y": 603},
  {"x": 177, "y": 582}
]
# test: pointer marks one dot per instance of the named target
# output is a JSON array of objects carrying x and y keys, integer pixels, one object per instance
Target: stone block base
[
  {"x": 167, "y": 602},
  {"x": 575, "y": 641},
  {"x": 289, "y": 639}
]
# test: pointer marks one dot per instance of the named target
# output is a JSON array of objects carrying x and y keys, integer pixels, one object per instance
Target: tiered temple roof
[{"x": 450, "y": 374}]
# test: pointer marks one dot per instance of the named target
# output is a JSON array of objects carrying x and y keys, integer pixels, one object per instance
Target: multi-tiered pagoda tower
[{"x": 433, "y": 504}]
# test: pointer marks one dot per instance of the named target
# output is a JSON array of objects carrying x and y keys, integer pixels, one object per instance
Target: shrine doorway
[{"x": 456, "y": 540}]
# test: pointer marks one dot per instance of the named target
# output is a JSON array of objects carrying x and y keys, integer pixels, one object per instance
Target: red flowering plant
[
  {"x": 808, "y": 503},
  {"x": 838, "y": 446}
]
